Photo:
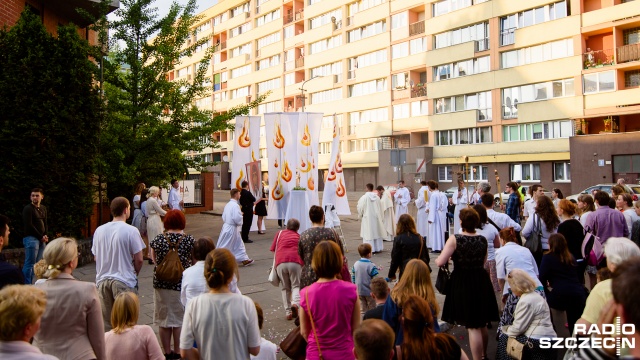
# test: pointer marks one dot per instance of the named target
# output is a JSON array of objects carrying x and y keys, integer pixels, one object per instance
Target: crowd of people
[{"x": 343, "y": 312}]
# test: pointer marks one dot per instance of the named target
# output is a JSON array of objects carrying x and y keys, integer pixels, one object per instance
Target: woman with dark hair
[
  {"x": 330, "y": 307},
  {"x": 168, "y": 310},
  {"x": 573, "y": 233},
  {"x": 143, "y": 224},
  {"x": 288, "y": 266},
  {"x": 545, "y": 219},
  {"x": 556, "y": 196},
  {"x": 513, "y": 203},
  {"x": 407, "y": 245},
  {"x": 492, "y": 234},
  {"x": 559, "y": 275},
  {"x": 308, "y": 241},
  {"x": 420, "y": 340},
  {"x": 223, "y": 324},
  {"x": 470, "y": 301}
]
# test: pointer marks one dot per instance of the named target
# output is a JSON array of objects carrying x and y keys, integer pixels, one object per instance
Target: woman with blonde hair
[
  {"x": 72, "y": 305},
  {"x": 154, "y": 212},
  {"x": 128, "y": 341},
  {"x": 416, "y": 280},
  {"x": 407, "y": 245}
]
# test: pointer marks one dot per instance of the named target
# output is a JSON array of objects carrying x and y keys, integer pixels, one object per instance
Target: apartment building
[{"x": 487, "y": 85}]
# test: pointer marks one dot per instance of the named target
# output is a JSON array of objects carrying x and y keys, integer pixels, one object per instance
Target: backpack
[
  {"x": 592, "y": 249},
  {"x": 170, "y": 268}
]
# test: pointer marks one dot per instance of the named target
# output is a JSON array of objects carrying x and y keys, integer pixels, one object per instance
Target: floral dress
[
  {"x": 308, "y": 241},
  {"x": 160, "y": 246}
]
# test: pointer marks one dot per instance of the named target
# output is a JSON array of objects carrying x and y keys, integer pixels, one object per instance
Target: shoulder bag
[
  {"x": 294, "y": 345},
  {"x": 170, "y": 268},
  {"x": 534, "y": 242},
  {"x": 592, "y": 249},
  {"x": 273, "y": 275},
  {"x": 313, "y": 325},
  {"x": 442, "y": 281},
  {"x": 515, "y": 348}
]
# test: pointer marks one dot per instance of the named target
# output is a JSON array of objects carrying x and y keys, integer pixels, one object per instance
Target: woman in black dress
[
  {"x": 573, "y": 233},
  {"x": 470, "y": 301},
  {"x": 261, "y": 208}
]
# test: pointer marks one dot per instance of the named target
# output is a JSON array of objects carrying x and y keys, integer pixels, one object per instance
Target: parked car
[{"x": 632, "y": 189}]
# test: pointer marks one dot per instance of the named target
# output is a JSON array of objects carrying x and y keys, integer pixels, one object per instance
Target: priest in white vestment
[
  {"x": 388, "y": 214},
  {"x": 461, "y": 200},
  {"x": 230, "y": 234},
  {"x": 437, "y": 217},
  {"x": 422, "y": 201},
  {"x": 370, "y": 214},
  {"x": 402, "y": 198}
]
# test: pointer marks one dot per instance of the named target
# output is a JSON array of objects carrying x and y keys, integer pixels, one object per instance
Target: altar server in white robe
[
  {"x": 388, "y": 214},
  {"x": 230, "y": 234},
  {"x": 402, "y": 198},
  {"x": 370, "y": 213},
  {"x": 422, "y": 202},
  {"x": 437, "y": 217},
  {"x": 461, "y": 200}
]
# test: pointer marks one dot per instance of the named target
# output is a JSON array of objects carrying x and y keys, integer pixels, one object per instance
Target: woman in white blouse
[{"x": 154, "y": 212}]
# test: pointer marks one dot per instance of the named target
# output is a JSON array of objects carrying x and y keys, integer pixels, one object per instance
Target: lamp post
[{"x": 302, "y": 90}]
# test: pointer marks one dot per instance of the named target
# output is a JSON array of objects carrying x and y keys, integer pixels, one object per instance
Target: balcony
[
  {"x": 592, "y": 59},
  {"x": 401, "y": 93},
  {"x": 288, "y": 19},
  {"x": 351, "y": 74},
  {"x": 416, "y": 28},
  {"x": 481, "y": 45},
  {"x": 483, "y": 115},
  {"x": 508, "y": 37},
  {"x": 627, "y": 53},
  {"x": 300, "y": 62},
  {"x": 419, "y": 90},
  {"x": 299, "y": 15},
  {"x": 510, "y": 111}
]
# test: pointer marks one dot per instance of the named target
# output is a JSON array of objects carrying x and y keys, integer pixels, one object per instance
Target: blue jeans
[{"x": 33, "y": 250}]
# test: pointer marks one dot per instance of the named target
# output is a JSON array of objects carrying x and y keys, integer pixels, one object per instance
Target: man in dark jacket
[
  {"x": 9, "y": 274},
  {"x": 247, "y": 201},
  {"x": 34, "y": 217}
]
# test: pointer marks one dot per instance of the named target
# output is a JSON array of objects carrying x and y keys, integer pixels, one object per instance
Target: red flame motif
[
  {"x": 277, "y": 192},
  {"x": 338, "y": 163},
  {"x": 244, "y": 140},
  {"x": 286, "y": 172},
  {"x": 341, "y": 191},
  {"x": 306, "y": 137},
  {"x": 278, "y": 141},
  {"x": 310, "y": 184}
]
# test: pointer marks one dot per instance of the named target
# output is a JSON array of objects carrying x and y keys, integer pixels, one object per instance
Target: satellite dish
[
  {"x": 225, "y": 158},
  {"x": 333, "y": 19}
]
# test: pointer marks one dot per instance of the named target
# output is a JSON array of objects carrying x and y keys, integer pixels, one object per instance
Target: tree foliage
[
  {"x": 151, "y": 120},
  {"x": 49, "y": 114}
]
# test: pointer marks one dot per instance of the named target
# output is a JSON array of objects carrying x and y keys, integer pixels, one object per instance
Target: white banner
[
  {"x": 187, "y": 191},
  {"x": 246, "y": 147},
  {"x": 281, "y": 153},
  {"x": 335, "y": 190},
  {"x": 308, "y": 136}
]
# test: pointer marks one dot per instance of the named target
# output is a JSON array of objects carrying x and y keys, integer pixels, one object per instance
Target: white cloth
[
  {"x": 461, "y": 200},
  {"x": 422, "y": 221},
  {"x": 230, "y": 234},
  {"x": 513, "y": 256},
  {"x": 268, "y": 351},
  {"x": 194, "y": 283},
  {"x": 437, "y": 220},
  {"x": 174, "y": 199},
  {"x": 531, "y": 317},
  {"x": 371, "y": 227},
  {"x": 388, "y": 216},
  {"x": 402, "y": 198},
  {"x": 154, "y": 222},
  {"x": 630, "y": 217},
  {"x": 502, "y": 220},
  {"x": 224, "y": 326},
  {"x": 529, "y": 208},
  {"x": 114, "y": 245},
  {"x": 584, "y": 217},
  {"x": 489, "y": 232},
  {"x": 530, "y": 225},
  {"x": 22, "y": 350}
]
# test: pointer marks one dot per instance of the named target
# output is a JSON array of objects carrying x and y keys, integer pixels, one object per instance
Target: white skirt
[{"x": 168, "y": 310}]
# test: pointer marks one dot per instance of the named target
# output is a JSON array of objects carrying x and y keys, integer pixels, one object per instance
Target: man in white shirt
[
  {"x": 422, "y": 202},
  {"x": 500, "y": 219},
  {"x": 437, "y": 217},
  {"x": 370, "y": 213},
  {"x": 174, "y": 201},
  {"x": 117, "y": 249},
  {"x": 402, "y": 198},
  {"x": 530, "y": 206}
]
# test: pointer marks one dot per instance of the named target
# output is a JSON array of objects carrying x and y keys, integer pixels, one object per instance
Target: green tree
[
  {"x": 151, "y": 120},
  {"x": 49, "y": 122}
]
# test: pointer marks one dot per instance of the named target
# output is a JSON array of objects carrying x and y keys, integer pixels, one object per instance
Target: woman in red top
[{"x": 288, "y": 266}]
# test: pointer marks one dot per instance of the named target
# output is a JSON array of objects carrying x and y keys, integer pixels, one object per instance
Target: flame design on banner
[
  {"x": 335, "y": 133},
  {"x": 244, "y": 140},
  {"x": 310, "y": 184},
  {"x": 278, "y": 141},
  {"x": 253, "y": 156},
  {"x": 305, "y": 166},
  {"x": 338, "y": 164},
  {"x": 286, "y": 172},
  {"x": 341, "y": 191},
  {"x": 239, "y": 180},
  {"x": 306, "y": 137},
  {"x": 275, "y": 164},
  {"x": 313, "y": 161},
  {"x": 277, "y": 193},
  {"x": 332, "y": 175}
]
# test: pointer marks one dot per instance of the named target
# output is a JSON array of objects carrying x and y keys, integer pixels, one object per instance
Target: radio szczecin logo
[{"x": 614, "y": 337}]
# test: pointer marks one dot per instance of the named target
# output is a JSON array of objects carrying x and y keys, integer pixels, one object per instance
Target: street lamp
[{"x": 302, "y": 90}]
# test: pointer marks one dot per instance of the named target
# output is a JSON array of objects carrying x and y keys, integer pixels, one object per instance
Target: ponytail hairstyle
[
  {"x": 420, "y": 338},
  {"x": 58, "y": 254},
  {"x": 219, "y": 268},
  {"x": 508, "y": 234}
]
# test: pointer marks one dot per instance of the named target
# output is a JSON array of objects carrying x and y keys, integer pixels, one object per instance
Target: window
[
  {"x": 203, "y": 27},
  {"x": 458, "y": 36},
  {"x": 562, "y": 171},
  {"x": 267, "y": 18},
  {"x": 240, "y": 9},
  {"x": 311, "y": 2},
  {"x": 241, "y": 50},
  {"x": 365, "y": 60},
  {"x": 289, "y": 79},
  {"x": 366, "y": 31},
  {"x": 367, "y": 116},
  {"x": 204, "y": 103},
  {"x": 447, "y": 6},
  {"x": 477, "y": 173},
  {"x": 419, "y": 108},
  {"x": 268, "y": 40},
  {"x": 328, "y": 69},
  {"x": 325, "y": 44},
  {"x": 399, "y": 20},
  {"x": 599, "y": 82},
  {"x": 242, "y": 70},
  {"x": 324, "y": 148},
  {"x": 240, "y": 29},
  {"x": 477, "y": 101},
  {"x": 325, "y": 18},
  {"x": 205, "y": 45},
  {"x": 401, "y": 111},
  {"x": 632, "y": 78},
  {"x": 328, "y": 121},
  {"x": 549, "y": 51},
  {"x": 268, "y": 62},
  {"x": 511, "y": 97},
  {"x": 265, "y": 86},
  {"x": 631, "y": 36},
  {"x": 363, "y": 145},
  {"x": 326, "y": 96},
  {"x": 273, "y": 106},
  {"x": 362, "y": 5},
  {"x": 220, "y": 96},
  {"x": 538, "y": 131},
  {"x": 366, "y": 88},
  {"x": 509, "y": 23},
  {"x": 417, "y": 46},
  {"x": 445, "y": 173},
  {"x": 399, "y": 81},
  {"x": 289, "y": 32},
  {"x": 217, "y": 20},
  {"x": 400, "y": 50},
  {"x": 240, "y": 92},
  {"x": 525, "y": 172},
  {"x": 464, "y": 136},
  {"x": 461, "y": 68}
]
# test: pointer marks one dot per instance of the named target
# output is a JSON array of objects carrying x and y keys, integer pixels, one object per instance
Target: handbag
[
  {"x": 515, "y": 348},
  {"x": 534, "y": 242},
  {"x": 313, "y": 325},
  {"x": 170, "y": 268},
  {"x": 273, "y": 274},
  {"x": 592, "y": 249},
  {"x": 442, "y": 280},
  {"x": 294, "y": 345}
]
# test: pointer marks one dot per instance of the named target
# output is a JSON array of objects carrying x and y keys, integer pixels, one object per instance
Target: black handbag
[
  {"x": 442, "y": 281},
  {"x": 534, "y": 242}
]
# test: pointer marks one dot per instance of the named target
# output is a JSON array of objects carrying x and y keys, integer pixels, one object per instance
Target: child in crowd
[
  {"x": 379, "y": 293},
  {"x": 268, "y": 350},
  {"x": 603, "y": 274},
  {"x": 361, "y": 274},
  {"x": 39, "y": 269}
]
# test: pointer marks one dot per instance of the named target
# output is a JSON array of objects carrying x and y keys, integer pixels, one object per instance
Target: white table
[{"x": 298, "y": 208}]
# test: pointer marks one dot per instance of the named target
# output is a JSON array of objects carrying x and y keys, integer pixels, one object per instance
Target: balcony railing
[
  {"x": 482, "y": 45},
  {"x": 483, "y": 115},
  {"x": 598, "y": 58},
  {"x": 288, "y": 19},
  {"x": 629, "y": 52},
  {"x": 351, "y": 74},
  {"x": 416, "y": 28},
  {"x": 299, "y": 62},
  {"x": 299, "y": 14},
  {"x": 223, "y": 45},
  {"x": 418, "y": 91},
  {"x": 508, "y": 36},
  {"x": 509, "y": 111}
]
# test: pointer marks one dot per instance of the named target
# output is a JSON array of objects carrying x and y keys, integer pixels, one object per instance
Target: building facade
[{"x": 496, "y": 87}]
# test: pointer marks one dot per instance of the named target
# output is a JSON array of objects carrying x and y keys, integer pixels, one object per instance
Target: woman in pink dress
[{"x": 330, "y": 307}]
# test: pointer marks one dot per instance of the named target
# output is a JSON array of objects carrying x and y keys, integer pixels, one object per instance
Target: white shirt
[
  {"x": 530, "y": 225},
  {"x": 268, "y": 351},
  {"x": 194, "y": 283},
  {"x": 402, "y": 196},
  {"x": 174, "y": 199},
  {"x": 114, "y": 245},
  {"x": 502, "y": 220},
  {"x": 584, "y": 217},
  {"x": 529, "y": 208},
  {"x": 224, "y": 326},
  {"x": 489, "y": 232},
  {"x": 630, "y": 217},
  {"x": 513, "y": 256},
  {"x": 22, "y": 350}
]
